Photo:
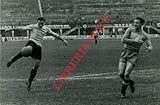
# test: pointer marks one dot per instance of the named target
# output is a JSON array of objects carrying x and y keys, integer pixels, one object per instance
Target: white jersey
[{"x": 37, "y": 33}]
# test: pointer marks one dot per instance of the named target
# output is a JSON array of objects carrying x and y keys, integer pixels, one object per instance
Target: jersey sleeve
[
  {"x": 127, "y": 33},
  {"x": 146, "y": 36},
  {"x": 28, "y": 26},
  {"x": 49, "y": 30}
]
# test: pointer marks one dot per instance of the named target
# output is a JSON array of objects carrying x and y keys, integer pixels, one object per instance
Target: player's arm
[
  {"x": 125, "y": 38},
  {"x": 57, "y": 36},
  {"x": 148, "y": 44},
  {"x": 19, "y": 28}
]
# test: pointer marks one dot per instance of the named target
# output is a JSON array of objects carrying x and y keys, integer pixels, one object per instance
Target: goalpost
[{"x": 40, "y": 8}]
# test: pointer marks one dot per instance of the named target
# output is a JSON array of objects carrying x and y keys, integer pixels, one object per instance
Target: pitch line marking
[
  {"x": 110, "y": 75},
  {"x": 113, "y": 73}
]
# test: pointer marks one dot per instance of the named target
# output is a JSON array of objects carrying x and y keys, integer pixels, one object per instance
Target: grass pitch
[{"x": 94, "y": 82}]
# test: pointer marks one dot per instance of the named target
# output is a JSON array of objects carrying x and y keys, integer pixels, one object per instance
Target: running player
[
  {"x": 34, "y": 45},
  {"x": 96, "y": 34},
  {"x": 133, "y": 39}
]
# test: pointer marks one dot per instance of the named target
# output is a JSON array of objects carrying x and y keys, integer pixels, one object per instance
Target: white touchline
[{"x": 110, "y": 75}]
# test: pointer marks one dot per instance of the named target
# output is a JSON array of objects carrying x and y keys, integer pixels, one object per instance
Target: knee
[
  {"x": 126, "y": 75},
  {"x": 36, "y": 66},
  {"x": 121, "y": 74}
]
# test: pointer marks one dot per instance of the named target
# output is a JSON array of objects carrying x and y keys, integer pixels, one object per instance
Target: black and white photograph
[{"x": 79, "y": 52}]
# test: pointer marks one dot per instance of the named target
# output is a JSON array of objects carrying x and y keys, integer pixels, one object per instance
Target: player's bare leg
[
  {"x": 129, "y": 68},
  {"x": 122, "y": 67},
  {"x": 33, "y": 74},
  {"x": 26, "y": 51}
]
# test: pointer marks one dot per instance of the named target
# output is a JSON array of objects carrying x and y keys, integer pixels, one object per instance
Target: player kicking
[
  {"x": 34, "y": 46},
  {"x": 133, "y": 39}
]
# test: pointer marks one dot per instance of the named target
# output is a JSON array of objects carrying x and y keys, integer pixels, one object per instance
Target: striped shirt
[{"x": 37, "y": 33}]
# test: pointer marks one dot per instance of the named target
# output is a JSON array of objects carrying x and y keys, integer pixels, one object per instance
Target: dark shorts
[
  {"x": 129, "y": 56},
  {"x": 95, "y": 37},
  {"x": 36, "y": 50}
]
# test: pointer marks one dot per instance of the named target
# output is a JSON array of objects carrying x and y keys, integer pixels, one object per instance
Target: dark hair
[
  {"x": 142, "y": 21},
  {"x": 41, "y": 19}
]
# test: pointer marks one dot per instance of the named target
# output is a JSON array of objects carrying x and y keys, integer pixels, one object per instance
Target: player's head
[
  {"x": 138, "y": 22},
  {"x": 41, "y": 22}
]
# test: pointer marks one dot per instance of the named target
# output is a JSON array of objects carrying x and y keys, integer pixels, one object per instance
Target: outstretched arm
[
  {"x": 148, "y": 44},
  {"x": 58, "y": 37}
]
